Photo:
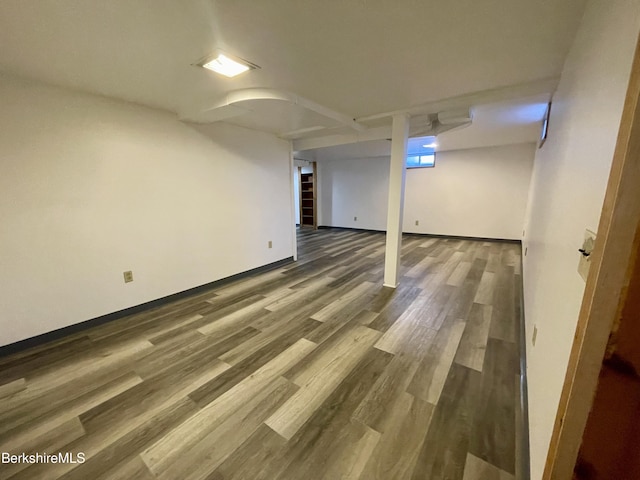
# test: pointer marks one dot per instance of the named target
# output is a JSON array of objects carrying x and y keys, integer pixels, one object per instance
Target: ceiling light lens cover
[{"x": 227, "y": 66}]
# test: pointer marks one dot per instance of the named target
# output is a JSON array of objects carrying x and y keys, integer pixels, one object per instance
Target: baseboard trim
[
  {"x": 430, "y": 235},
  {"x": 328, "y": 227},
  {"x": 461, "y": 237},
  {"x": 524, "y": 472},
  {"x": 60, "y": 333}
]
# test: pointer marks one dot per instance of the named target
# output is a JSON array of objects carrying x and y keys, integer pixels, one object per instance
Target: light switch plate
[{"x": 585, "y": 261}]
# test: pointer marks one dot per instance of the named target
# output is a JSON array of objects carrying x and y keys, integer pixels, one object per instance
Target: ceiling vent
[{"x": 455, "y": 117}]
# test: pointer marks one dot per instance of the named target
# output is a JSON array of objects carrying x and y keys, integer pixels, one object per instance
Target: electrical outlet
[
  {"x": 270, "y": 244},
  {"x": 417, "y": 222},
  {"x": 128, "y": 276},
  {"x": 355, "y": 219},
  {"x": 585, "y": 254},
  {"x": 535, "y": 335}
]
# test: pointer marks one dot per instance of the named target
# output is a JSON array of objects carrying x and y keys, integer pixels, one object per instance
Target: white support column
[{"x": 397, "y": 171}]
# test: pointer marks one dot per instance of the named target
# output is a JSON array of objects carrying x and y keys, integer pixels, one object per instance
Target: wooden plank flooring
[{"x": 310, "y": 371}]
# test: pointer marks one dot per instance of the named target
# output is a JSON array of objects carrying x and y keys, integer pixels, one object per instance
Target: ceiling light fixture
[{"x": 227, "y": 65}]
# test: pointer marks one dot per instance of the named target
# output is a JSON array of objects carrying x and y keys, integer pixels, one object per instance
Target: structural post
[{"x": 397, "y": 171}]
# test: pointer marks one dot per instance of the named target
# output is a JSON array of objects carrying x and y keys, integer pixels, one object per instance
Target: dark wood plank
[
  {"x": 108, "y": 461},
  {"x": 213, "y": 389},
  {"x": 394, "y": 307},
  {"x": 503, "y": 326},
  {"x": 493, "y": 434},
  {"x": 444, "y": 450}
]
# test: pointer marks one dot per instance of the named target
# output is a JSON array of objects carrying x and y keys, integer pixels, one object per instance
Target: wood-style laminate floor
[{"x": 310, "y": 371}]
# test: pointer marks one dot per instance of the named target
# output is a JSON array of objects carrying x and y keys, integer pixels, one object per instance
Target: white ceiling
[
  {"x": 355, "y": 58},
  {"x": 500, "y": 123}
]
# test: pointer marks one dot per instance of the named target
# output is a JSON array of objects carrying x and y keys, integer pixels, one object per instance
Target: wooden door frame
[
  {"x": 614, "y": 253},
  {"x": 315, "y": 195},
  {"x": 300, "y": 193},
  {"x": 314, "y": 188}
]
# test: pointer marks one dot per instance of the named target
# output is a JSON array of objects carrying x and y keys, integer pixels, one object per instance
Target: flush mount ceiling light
[{"x": 226, "y": 64}]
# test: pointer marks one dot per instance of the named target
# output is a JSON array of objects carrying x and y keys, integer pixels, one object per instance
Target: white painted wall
[
  {"x": 92, "y": 187},
  {"x": 481, "y": 192},
  {"x": 354, "y": 188},
  {"x": 477, "y": 193},
  {"x": 568, "y": 186}
]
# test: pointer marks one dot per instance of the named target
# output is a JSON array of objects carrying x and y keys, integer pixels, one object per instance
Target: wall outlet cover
[
  {"x": 585, "y": 260},
  {"x": 128, "y": 276}
]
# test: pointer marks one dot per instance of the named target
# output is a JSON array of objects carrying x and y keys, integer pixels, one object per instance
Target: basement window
[{"x": 421, "y": 161}]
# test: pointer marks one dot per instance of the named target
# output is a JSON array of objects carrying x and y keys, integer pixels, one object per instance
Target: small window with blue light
[
  {"x": 421, "y": 161},
  {"x": 422, "y": 152}
]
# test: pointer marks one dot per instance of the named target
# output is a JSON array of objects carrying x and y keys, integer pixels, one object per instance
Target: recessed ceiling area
[
  {"x": 361, "y": 59},
  {"x": 495, "y": 124}
]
